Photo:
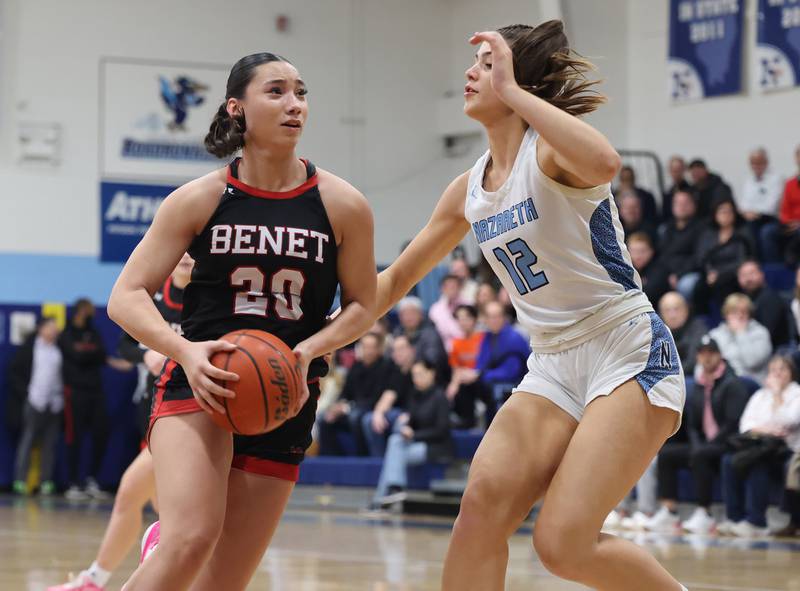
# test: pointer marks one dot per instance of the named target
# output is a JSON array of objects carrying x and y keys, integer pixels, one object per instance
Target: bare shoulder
[
  {"x": 196, "y": 200},
  {"x": 343, "y": 202},
  {"x": 454, "y": 196}
]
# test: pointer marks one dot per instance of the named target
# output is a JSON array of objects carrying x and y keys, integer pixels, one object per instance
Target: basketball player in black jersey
[
  {"x": 272, "y": 237},
  {"x": 138, "y": 485}
]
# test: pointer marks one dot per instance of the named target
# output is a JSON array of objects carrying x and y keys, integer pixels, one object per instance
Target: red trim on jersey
[
  {"x": 167, "y": 299},
  {"x": 253, "y": 465},
  {"x": 162, "y": 408},
  {"x": 255, "y": 192}
]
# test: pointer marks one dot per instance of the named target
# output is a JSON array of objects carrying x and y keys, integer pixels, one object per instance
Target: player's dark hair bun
[{"x": 226, "y": 134}]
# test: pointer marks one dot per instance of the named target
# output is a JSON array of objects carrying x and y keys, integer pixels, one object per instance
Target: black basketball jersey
[{"x": 265, "y": 260}]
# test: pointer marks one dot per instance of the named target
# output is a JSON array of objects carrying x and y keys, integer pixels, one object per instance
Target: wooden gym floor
[{"x": 325, "y": 546}]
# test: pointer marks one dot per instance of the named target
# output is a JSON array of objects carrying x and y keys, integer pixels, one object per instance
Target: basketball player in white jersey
[{"x": 605, "y": 387}]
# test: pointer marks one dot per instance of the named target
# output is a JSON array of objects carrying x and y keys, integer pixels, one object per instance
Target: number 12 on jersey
[{"x": 519, "y": 269}]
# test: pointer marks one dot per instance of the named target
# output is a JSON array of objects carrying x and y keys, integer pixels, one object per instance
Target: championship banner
[
  {"x": 778, "y": 48},
  {"x": 126, "y": 211},
  {"x": 705, "y": 48},
  {"x": 154, "y": 116}
]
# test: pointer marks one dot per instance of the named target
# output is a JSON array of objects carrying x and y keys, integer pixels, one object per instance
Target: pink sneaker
[
  {"x": 150, "y": 540},
  {"x": 80, "y": 583}
]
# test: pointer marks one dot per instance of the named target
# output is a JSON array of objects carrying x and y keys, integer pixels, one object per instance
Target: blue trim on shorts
[
  {"x": 663, "y": 361},
  {"x": 607, "y": 249}
]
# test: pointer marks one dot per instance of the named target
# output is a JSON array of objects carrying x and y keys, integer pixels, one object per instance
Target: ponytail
[{"x": 226, "y": 134}]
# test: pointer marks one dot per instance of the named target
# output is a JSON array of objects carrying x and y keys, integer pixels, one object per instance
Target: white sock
[
  {"x": 684, "y": 588},
  {"x": 98, "y": 575}
]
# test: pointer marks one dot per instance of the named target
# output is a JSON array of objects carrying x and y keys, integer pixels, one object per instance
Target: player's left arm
[
  {"x": 575, "y": 146},
  {"x": 351, "y": 218}
]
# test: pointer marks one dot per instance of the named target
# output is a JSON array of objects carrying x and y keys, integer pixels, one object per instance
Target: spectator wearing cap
[
  {"x": 769, "y": 308},
  {"x": 441, "y": 312},
  {"x": 654, "y": 276},
  {"x": 713, "y": 409},
  {"x": 760, "y": 198},
  {"x": 627, "y": 183},
  {"x": 422, "y": 335},
  {"x": 708, "y": 188},
  {"x": 677, "y": 174},
  {"x": 686, "y": 330},
  {"x": 678, "y": 243},
  {"x": 745, "y": 343}
]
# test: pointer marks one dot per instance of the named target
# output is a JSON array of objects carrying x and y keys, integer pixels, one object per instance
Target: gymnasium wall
[{"x": 723, "y": 130}]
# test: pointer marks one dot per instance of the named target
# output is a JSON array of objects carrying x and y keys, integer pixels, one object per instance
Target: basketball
[{"x": 268, "y": 385}]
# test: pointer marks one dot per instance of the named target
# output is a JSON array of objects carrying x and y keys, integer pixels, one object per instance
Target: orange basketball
[{"x": 268, "y": 386}]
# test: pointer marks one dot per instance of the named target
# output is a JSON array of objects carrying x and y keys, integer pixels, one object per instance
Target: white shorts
[{"x": 641, "y": 348}]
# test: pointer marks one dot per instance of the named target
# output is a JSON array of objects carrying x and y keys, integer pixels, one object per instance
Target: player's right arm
[
  {"x": 180, "y": 218},
  {"x": 444, "y": 230}
]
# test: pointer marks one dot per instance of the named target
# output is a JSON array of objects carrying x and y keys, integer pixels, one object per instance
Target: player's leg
[
  {"x": 138, "y": 485},
  {"x": 254, "y": 509},
  {"x": 136, "y": 488},
  {"x": 616, "y": 440},
  {"x": 511, "y": 470},
  {"x": 192, "y": 461}
]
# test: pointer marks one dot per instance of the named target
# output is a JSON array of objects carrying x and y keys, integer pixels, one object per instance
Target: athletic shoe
[
  {"x": 47, "y": 488},
  {"x": 637, "y": 521},
  {"x": 93, "y": 490},
  {"x": 393, "y": 499},
  {"x": 80, "y": 583},
  {"x": 788, "y": 531},
  {"x": 74, "y": 493},
  {"x": 20, "y": 487},
  {"x": 663, "y": 521},
  {"x": 725, "y": 528},
  {"x": 613, "y": 520},
  {"x": 699, "y": 523},
  {"x": 745, "y": 529},
  {"x": 150, "y": 540}
]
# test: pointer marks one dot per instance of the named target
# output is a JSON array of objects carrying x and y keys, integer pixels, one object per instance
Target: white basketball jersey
[{"x": 559, "y": 251}]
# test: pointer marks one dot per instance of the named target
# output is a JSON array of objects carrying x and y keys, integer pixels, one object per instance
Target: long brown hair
[{"x": 545, "y": 66}]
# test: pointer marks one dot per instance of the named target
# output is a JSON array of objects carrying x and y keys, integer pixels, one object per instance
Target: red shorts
[{"x": 277, "y": 453}]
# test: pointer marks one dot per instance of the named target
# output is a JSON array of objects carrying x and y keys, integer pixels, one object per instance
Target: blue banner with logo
[
  {"x": 705, "y": 48},
  {"x": 778, "y": 49},
  {"x": 126, "y": 211}
]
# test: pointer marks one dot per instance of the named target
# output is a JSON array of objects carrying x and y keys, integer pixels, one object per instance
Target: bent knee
[
  {"x": 191, "y": 544},
  {"x": 487, "y": 509},
  {"x": 562, "y": 549}
]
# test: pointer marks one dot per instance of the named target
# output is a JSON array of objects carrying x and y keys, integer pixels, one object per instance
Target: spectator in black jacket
[
  {"x": 655, "y": 277},
  {"x": 35, "y": 374},
  {"x": 769, "y": 308},
  {"x": 713, "y": 409},
  {"x": 721, "y": 248},
  {"x": 708, "y": 188},
  {"x": 421, "y": 435},
  {"x": 377, "y": 424},
  {"x": 423, "y": 335},
  {"x": 632, "y": 217},
  {"x": 365, "y": 383},
  {"x": 84, "y": 401},
  {"x": 678, "y": 241},
  {"x": 627, "y": 183},
  {"x": 686, "y": 330},
  {"x": 677, "y": 174}
]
